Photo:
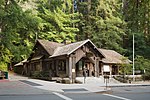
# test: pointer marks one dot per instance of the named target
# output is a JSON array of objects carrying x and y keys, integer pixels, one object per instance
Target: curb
[
  {"x": 5, "y": 80},
  {"x": 83, "y": 92},
  {"x": 134, "y": 85}
]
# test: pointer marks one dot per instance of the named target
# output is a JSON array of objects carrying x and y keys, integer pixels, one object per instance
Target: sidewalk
[
  {"x": 92, "y": 84},
  {"x": 69, "y": 88},
  {"x": 88, "y": 87},
  {"x": 14, "y": 77}
]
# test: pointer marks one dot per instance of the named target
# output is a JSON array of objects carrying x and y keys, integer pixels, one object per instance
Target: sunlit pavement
[
  {"x": 32, "y": 89},
  {"x": 17, "y": 87},
  {"x": 26, "y": 90}
]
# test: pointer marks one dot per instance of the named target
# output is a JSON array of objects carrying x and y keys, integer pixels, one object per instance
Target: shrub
[
  {"x": 36, "y": 74},
  {"x": 44, "y": 75},
  {"x": 3, "y": 66}
]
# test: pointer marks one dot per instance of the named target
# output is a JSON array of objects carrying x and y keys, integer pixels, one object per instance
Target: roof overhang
[{"x": 36, "y": 58}]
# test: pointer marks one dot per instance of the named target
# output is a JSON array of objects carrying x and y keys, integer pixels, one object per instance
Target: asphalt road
[
  {"x": 117, "y": 93},
  {"x": 133, "y": 93},
  {"x": 17, "y": 90}
]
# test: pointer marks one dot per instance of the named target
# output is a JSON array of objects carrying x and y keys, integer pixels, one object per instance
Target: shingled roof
[
  {"x": 70, "y": 48},
  {"x": 20, "y": 63},
  {"x": 49, "y": 46},
  {"x": 113, "y": 57}
]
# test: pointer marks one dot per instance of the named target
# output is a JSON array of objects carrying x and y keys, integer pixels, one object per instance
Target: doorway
[{"x": 85, "y": 64}]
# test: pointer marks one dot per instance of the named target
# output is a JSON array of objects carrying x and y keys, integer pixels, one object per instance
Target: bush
[
  {"x": 121, "y": 79},
  {"x": 3, "y": 66},
  {"x": 36, "y": 74},
  {"x": 145, "y": 77},
  {"x": 143, "y": 64},
  {"x": 45, "y": 75}
]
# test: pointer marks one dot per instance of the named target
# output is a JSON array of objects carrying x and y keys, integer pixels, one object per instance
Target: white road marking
[
  {"x": 62, "y": 96},
  {"x": 122, "y": 98}
]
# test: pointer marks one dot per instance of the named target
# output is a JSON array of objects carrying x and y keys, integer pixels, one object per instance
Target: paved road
[
  {"x": 23, "y": 90},
  {"x": 19, "y": 88},
  {"x": 133, "y": 93},
  {"x": 118, "y": 93}
]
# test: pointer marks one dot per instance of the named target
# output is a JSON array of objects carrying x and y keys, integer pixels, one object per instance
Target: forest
[{"x": 109, "y": 24}]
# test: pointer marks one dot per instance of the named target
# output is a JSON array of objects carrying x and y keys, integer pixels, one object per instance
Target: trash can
[{"x": 6, "y": 75}]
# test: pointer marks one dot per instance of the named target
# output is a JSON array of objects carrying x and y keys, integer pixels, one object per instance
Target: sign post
[
  {"x": 106, "y": 80},
  {"x": 84, "y": 74}
]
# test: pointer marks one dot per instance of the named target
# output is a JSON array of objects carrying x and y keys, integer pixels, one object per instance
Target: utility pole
[{"x": 133, "y": 60}]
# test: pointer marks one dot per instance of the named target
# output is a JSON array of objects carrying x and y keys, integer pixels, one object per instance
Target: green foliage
[
  {"x": 3, "y": 66},
  {"x": 143, "y": 64},
  {"x": 102, "y": 22},
  {"x": 137, "y": 13},
  {"x": 109, "y": 24},
  {"x": 137, "y": 16},
  {"x": 44, "y": 75},
  {"x": 17, "y": 31},
  {"x": 139, "y": 63},
  {"x": 57, "y": 24},
  {"x": 140, "y": 45},
  {"x": 125, "y": 68}
]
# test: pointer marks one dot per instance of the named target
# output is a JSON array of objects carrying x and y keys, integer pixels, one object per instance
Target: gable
[
  {"x": 43, "y": 48},
  {"x": 70, "y": 48},
  {"x": 48, "y": 46},
  {"x": 38, "y": 51}
]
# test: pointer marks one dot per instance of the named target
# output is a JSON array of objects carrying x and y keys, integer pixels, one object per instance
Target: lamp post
[{"x": 133, "y": 60}]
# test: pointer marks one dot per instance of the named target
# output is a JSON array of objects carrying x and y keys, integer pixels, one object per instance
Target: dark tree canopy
[{"x": 109, "y": 24}]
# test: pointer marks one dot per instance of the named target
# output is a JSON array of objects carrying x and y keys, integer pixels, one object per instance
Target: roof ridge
[
  {"x": 69, "y": 48},
  {"x": 75, "y": 42}
]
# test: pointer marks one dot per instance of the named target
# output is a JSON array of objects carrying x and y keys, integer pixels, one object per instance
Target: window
[
  {"x": 80, "y": 65},
  {"x": 62, "y": 65}
]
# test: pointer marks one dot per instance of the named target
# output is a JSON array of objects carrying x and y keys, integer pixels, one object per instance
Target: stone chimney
[{"x": 67, "y": 42}]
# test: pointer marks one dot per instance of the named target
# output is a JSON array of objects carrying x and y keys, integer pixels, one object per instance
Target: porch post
[
  {"x": 67, "y": 67},
  {"x": 57, "y": 68},
  {"x": 90, "y": 69},
  {"x": 70, "y": 69},
  {"x": 72, "y": 73},
  {"x": 97, "y": 61},
  {"x": 73, "y": 69},
  {"x": 118, "y": 70},
  {"x": 41, "y": 65},
  {"x": 110, "y": 67},
  {"x": 53, "y": 68},
  {"x": 97, "y": 66},
  {"x": 102, "y": 69}
]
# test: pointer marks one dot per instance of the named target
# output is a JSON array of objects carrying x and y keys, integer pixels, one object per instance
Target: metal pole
[
  {"x": 106, "y": 83},
  {"x": 133, "y": 59}
]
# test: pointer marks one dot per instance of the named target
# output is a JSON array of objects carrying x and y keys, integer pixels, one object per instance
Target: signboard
[
  {"x": 106, "y": 68},
  {"x": 73, "y": 70}
]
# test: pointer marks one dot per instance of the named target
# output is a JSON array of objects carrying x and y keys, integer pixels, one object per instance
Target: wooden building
[
  {"x": 39, "y": 59},
  {"x": 112, "y": 61},
  {"x": 19, "y": 68},
  {"x": 70, "y": 60},
  {"x": 65, "y": 60}
]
